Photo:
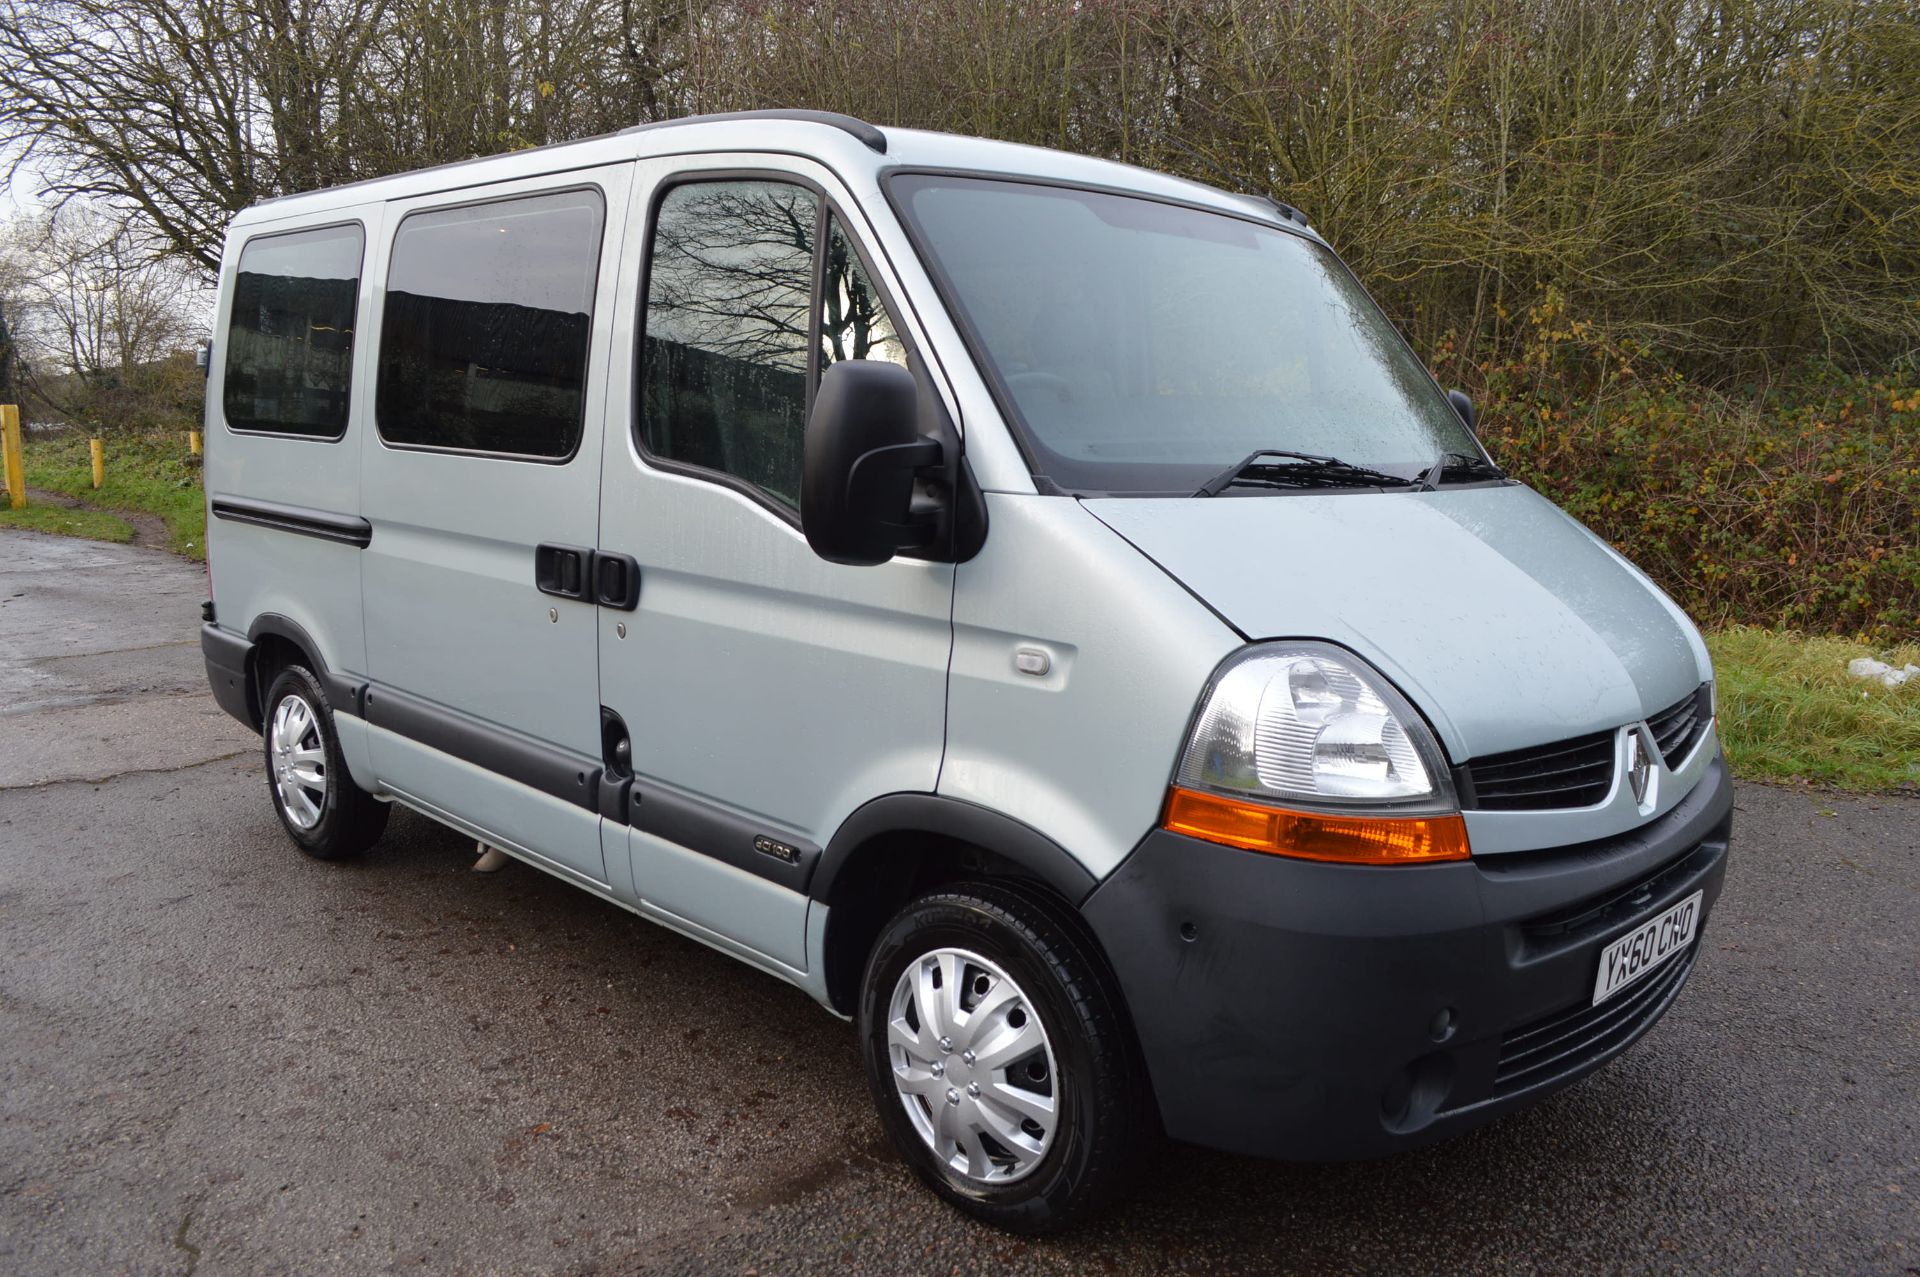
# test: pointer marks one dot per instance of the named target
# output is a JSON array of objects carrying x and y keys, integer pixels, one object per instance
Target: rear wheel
[
  {"x": 323, "y": 811},
  {"x": 999, "y": 1057}
]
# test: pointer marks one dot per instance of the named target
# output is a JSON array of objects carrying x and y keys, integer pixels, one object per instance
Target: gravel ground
[{"x": 218, "y": 1057}]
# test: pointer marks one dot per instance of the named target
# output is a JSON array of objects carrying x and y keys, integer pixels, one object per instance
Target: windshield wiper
[
  {"x": 1470, "y": 466},
  {"x": 1305, "y": 470}
]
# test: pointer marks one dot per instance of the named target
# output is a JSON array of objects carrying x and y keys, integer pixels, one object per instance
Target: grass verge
[
  {"x": 1790, "y": 712},
  {"x": 152, "y": 474},
  {"x": 96, "y": 525}
]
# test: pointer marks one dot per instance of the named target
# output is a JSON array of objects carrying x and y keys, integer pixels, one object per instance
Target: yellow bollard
[
  {"x": 10, "y": 450},
  {"x": 99, "y": 461},
  {"x": 193, "y": 442}
]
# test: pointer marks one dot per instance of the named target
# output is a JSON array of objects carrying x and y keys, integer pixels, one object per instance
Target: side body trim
[
  {"x": 553, "y": 772},
  {"x": 751, "y": 845},
  {"x": 755, "y": 846},
  {"x": 300, "y": 520}
]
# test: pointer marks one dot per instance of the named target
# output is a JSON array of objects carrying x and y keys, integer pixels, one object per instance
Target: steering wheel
[{"x": 1040, "y": 381}]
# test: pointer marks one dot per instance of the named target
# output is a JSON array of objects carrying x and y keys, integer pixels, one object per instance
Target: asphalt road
[{"x": 218, "y": 1057}]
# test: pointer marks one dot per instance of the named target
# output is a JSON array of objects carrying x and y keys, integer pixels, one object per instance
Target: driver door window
[{"x": 734, "y": 338}]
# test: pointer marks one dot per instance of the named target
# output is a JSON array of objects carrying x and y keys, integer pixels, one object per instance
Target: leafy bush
[{"x": 1794, "y": 506}]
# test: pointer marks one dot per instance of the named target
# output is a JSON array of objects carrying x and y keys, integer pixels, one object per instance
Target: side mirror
[
  {"x": 863, "y": 448},
  {"x": 1463, "y": 406}
]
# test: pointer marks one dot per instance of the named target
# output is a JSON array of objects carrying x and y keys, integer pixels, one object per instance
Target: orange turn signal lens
[{"x": 1353, "y": 840}]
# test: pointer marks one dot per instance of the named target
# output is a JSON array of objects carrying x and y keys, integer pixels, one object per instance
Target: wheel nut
[
  {"x": 966, "y": 1057},
  {"x": 953, "y": 1096},
  {"x": 973, "y": 1089},
  {"x": 936, "y": 1068},
  {"x": 946, "y": 1046}
]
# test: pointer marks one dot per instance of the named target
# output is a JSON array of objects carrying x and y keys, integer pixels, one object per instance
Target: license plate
[{"x": 1646, "y": 947}]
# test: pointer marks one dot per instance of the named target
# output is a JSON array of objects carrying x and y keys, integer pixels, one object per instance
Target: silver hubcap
[
  {"x": 973, "y": 1066},
  {"x": 299, "y": 761}
]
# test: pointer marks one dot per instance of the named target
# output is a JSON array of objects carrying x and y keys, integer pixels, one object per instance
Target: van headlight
[{"x": 1302, "y": 749}]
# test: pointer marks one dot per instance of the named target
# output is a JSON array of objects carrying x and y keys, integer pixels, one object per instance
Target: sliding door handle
[
  {"x": 565, "y": 571},
  {"x": 575, "y": 572}
]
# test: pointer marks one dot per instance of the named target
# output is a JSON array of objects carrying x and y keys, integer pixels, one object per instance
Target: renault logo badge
[{"x": 1639, "y": 766}]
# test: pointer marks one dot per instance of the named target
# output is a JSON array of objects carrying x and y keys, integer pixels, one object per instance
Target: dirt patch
[{"x": 149, "y": 530}]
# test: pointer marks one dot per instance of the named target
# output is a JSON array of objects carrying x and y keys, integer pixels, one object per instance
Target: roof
[{"x": 859, "y": 152}]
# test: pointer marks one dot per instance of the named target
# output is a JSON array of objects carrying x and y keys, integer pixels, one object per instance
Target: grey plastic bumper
[{"x": 1324, "y": 1012}]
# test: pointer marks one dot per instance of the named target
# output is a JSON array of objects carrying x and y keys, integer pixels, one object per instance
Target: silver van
[{"x": 1039, "y": 607}]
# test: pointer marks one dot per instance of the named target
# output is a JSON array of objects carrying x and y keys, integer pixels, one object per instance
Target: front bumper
[{"x": 1295, "y": 1009}]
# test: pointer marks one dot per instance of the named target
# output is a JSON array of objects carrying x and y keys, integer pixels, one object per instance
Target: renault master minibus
[{"x": 1039, "y": 607}]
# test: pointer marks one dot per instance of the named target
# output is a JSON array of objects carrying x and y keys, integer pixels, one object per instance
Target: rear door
[
  {"x": 482, "y": 484},
  {"x": 767, "y": 693}
]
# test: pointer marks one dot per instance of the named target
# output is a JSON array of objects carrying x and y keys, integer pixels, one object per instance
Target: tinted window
[
  {"x": 483, "y": 344},
  {"x": 854, "y": 323},
  {"x": 290, "y": 344},
  {"x": 724, "y": 361}
]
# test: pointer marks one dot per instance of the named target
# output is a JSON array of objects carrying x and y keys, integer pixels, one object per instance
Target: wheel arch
[
  {"x": 899, "y": 845},
  {"x": 273, "y": 636}
]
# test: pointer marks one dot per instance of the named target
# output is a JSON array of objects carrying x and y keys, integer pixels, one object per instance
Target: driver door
[{"x": 766, "y": 692}]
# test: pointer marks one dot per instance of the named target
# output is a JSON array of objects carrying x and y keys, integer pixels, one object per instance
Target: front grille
[
  {"x": 1579, "y": 1035},
  {"x": 1677, "y": 727},
  {"x": 1568, "y": 773}
]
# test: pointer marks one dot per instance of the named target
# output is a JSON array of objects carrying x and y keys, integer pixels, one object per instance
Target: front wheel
[
  {"x": 324, "y": 812},
  {"x": 1000, "y": 1058}
]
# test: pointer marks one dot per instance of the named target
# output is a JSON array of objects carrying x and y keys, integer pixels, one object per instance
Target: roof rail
[{"x": 870, "y": 136}]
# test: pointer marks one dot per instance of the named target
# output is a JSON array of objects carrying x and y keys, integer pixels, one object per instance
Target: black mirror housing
[
  {"x": 864, "y": 450},
  {"x": 1462, "y": 405}
]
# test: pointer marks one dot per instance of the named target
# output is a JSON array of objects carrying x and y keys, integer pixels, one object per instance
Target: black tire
[
  {"x": 1104, "y": 1115},
  {"x": 349, "y": 819}
]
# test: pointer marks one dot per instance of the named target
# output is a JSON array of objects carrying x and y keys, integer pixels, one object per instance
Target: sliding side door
[{"x": 481, "y": 482}]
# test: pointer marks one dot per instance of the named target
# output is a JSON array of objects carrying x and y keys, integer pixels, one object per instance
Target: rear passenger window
[
  {"x": 724, "y": 364},
  {"x": 483, "y": 343},
  {"x": 289, "y": 357}
]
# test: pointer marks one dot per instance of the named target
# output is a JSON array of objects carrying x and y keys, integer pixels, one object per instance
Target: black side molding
[
  {"x": 1026, "y": 846},
  {"x": 652, "y": 807},
  {"x": 300, "y": 520},
  {"x": 572, "y": 778},
  {"x": 698, "y": 825}
]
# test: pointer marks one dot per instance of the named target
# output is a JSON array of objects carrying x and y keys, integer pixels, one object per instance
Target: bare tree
[
  {"x": 95, "y": 316},
  {"x": 1732, "y": 182},
  {"x": 190, "y": 110}
]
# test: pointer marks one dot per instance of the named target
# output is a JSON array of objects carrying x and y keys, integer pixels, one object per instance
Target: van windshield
[{"x": 1143, "y": 346}]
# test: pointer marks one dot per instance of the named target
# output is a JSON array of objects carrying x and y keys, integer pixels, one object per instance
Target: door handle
[
  {"x": 564, "y": 571},
  {"x": 575, "y": 572},
  {"x": 616, "y": 581}
]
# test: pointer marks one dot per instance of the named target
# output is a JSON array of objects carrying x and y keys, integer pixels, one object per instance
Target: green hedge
[{"x": 1794, "y": 506}]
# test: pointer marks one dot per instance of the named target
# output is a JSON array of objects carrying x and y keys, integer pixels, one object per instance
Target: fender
[
  {"x": 348, "y": 696},
  {"x": 1020, "y": 843}
]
